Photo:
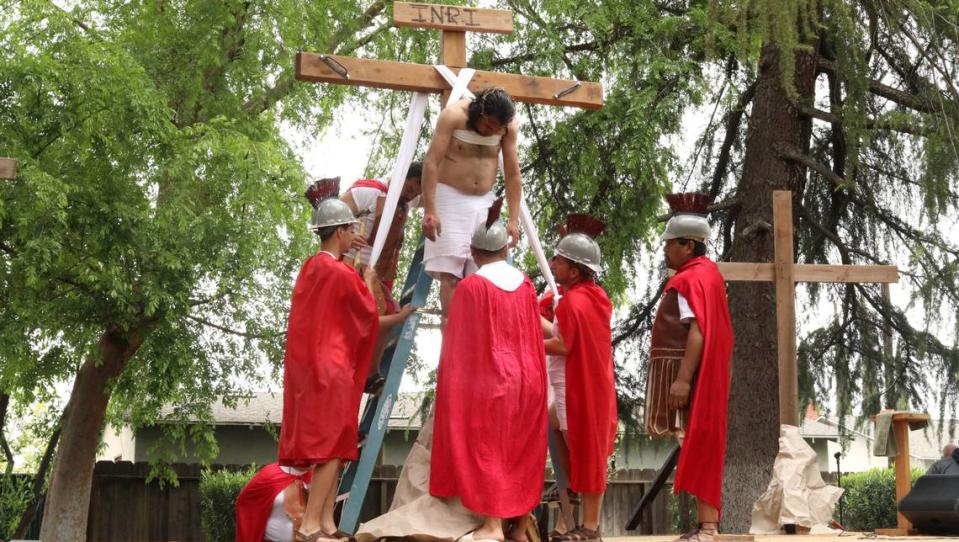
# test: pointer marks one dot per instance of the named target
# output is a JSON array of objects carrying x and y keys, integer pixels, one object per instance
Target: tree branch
[
  {"x": 526, "y": 57},
  {"x": 900, "y": 97},
  {"x": 637, "y": 315},
  {"x": 871, "y": 124},
  {"x": 231, "y": 331},
  {"x": 284, "y": 83},
  {"x": 823, "y": 170},
  {"x": 733, "y": 119}
]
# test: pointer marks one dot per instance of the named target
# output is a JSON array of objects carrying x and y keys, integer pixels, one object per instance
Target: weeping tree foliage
[{"x": 852, "y": 105}]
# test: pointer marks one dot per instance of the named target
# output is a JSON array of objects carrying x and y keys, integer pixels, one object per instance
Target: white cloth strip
[
  {"x": 414, "y": 121},
  {"x": 524, "y": 215}
]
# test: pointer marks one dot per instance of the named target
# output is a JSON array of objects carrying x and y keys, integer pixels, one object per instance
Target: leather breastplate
[{"x": 669, "y": 333}]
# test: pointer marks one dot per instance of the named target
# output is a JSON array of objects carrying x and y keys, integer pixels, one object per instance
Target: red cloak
[
  {"x": 546, "y": 304},
  {"x": 584, "y": 314},
  {"x": 700, "y": 469},
  {"x": 330, "y": 336},
  {"x": 255, "y": 502},
  {"x": 369, "y": 183},
  {"x": 489, "y": 432}
]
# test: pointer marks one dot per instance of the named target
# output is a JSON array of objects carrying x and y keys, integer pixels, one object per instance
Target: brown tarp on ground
[
  {"x": 797, "y": 493},
  {"x": 415, "y": 514}
]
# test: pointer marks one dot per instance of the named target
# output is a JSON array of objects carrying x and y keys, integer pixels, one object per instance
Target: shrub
[
  {"x": 15, "y": 495},
  {"x": 218, "y": 493},
  {"x": 870, "y": 499}
]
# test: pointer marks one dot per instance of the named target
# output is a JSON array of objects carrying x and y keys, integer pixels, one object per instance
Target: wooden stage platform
[{"x": 844, "y": 537}]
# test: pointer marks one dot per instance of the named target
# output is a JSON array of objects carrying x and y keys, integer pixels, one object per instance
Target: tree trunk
[
  {"x": 7, "y": 453},
  {"x": 68, "y": 499},
  {"x": 39, "y": 482},
  {"x": 753, "y": 431}
]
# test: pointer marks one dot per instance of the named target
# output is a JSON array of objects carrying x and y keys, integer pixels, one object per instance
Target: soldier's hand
[
  {"x": 678, "y": 394},
  {"x": 513, "y": 230},
  {"x": 358, "y": 243},
  {"x": 406, "y": 310},
  {"x": 432, "y": 227}
]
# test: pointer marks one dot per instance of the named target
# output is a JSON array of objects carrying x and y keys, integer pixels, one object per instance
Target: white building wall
[{"x": 118, "y": 445}]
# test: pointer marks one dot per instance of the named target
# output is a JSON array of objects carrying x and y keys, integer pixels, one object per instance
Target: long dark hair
[{"x": 494, "y": 102}]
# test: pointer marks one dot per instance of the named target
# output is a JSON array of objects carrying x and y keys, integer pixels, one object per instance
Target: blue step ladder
[{"x": 376, "y": 416}]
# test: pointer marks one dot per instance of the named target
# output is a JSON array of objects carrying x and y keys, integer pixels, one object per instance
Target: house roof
[
  {"x": 267, "y": 407},
  {"x": 925, "y": 444},
  {"x": 407, "y": 413}
]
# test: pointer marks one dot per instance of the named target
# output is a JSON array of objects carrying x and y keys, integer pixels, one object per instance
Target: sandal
[
  {"x": 580, "y": 534},
  {"x": 343, "y": 535},
  {"x": 701, "y": 534},
  {"x": 315, "y": 536}
]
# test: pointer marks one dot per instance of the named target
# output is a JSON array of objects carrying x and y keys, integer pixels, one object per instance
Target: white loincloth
[
  {"x": 459, "y": 214},
  {"x": 556, "y": 370}
]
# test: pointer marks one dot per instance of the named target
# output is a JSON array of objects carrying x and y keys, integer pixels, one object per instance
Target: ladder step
[{"x": 375, "y": 421}]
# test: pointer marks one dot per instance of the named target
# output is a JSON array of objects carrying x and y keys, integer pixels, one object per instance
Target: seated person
[{"x": 949, "y": 464}]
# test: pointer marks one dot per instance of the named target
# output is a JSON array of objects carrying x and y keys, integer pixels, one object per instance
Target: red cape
[
  {"x": 255, "y": 502},
  {"x": 584, "y": 314},
  {"x": 700, "y": 469},
  {"x": 489, "y": 433},
  {"x": 369, "y": 183},
  {"x": 330, "y": 336},
  {"x": 546, "y": 304}
]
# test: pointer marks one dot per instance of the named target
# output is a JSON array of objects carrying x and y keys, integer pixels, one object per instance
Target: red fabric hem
[{"x": 311, "y": 462}]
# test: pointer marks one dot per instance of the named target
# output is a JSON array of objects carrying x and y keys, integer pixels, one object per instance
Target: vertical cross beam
[
  {"x": 8, "y": 168},
  {"x": 785, "y": 307},
  {"x": 452, "y": 54}
]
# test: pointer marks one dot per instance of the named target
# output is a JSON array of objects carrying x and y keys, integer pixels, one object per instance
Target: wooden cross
[
  {"x": 786, "y": 273},
  {"x": 8, "y": 168},
  {"x": 454, "y": 22}
]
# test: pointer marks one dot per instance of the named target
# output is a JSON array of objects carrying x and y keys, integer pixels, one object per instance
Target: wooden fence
[{"x": 123, "y": 507}]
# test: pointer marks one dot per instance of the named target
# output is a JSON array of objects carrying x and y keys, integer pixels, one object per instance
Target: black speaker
[{"x": 933, "y": 504}]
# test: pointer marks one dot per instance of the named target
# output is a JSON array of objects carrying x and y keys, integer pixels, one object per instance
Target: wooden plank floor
[{"x": 844, "y": 537}]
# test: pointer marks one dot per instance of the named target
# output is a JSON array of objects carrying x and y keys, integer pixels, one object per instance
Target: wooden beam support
[
  {"x": 443, "y": 17},
  {"x": 452, "y": 54},
  {"x": 424, "y": 78},
  {"x": 8, "y": 168},
  {"x": 805, "y": 272},
  {"x": 785, "y": 307}
]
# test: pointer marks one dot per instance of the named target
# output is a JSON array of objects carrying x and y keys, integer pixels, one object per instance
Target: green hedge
[
  {"x": 870, "y": 499},
  {"x": 15, "y": 495},
  {"x": 218, "y": 493}
]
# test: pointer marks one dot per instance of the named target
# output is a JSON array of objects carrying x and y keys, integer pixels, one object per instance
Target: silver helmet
[
  {"x": 491, "y": 239},
  {"x": 582, "y": 249},
  {"x": 331, "y": 212},
  {"x": 687, "y": 226}
]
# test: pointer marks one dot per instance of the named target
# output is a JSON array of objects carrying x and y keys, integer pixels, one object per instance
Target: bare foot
[
  {"x": 517, "y": 534},
  {"x": 484, "y": 533}
]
